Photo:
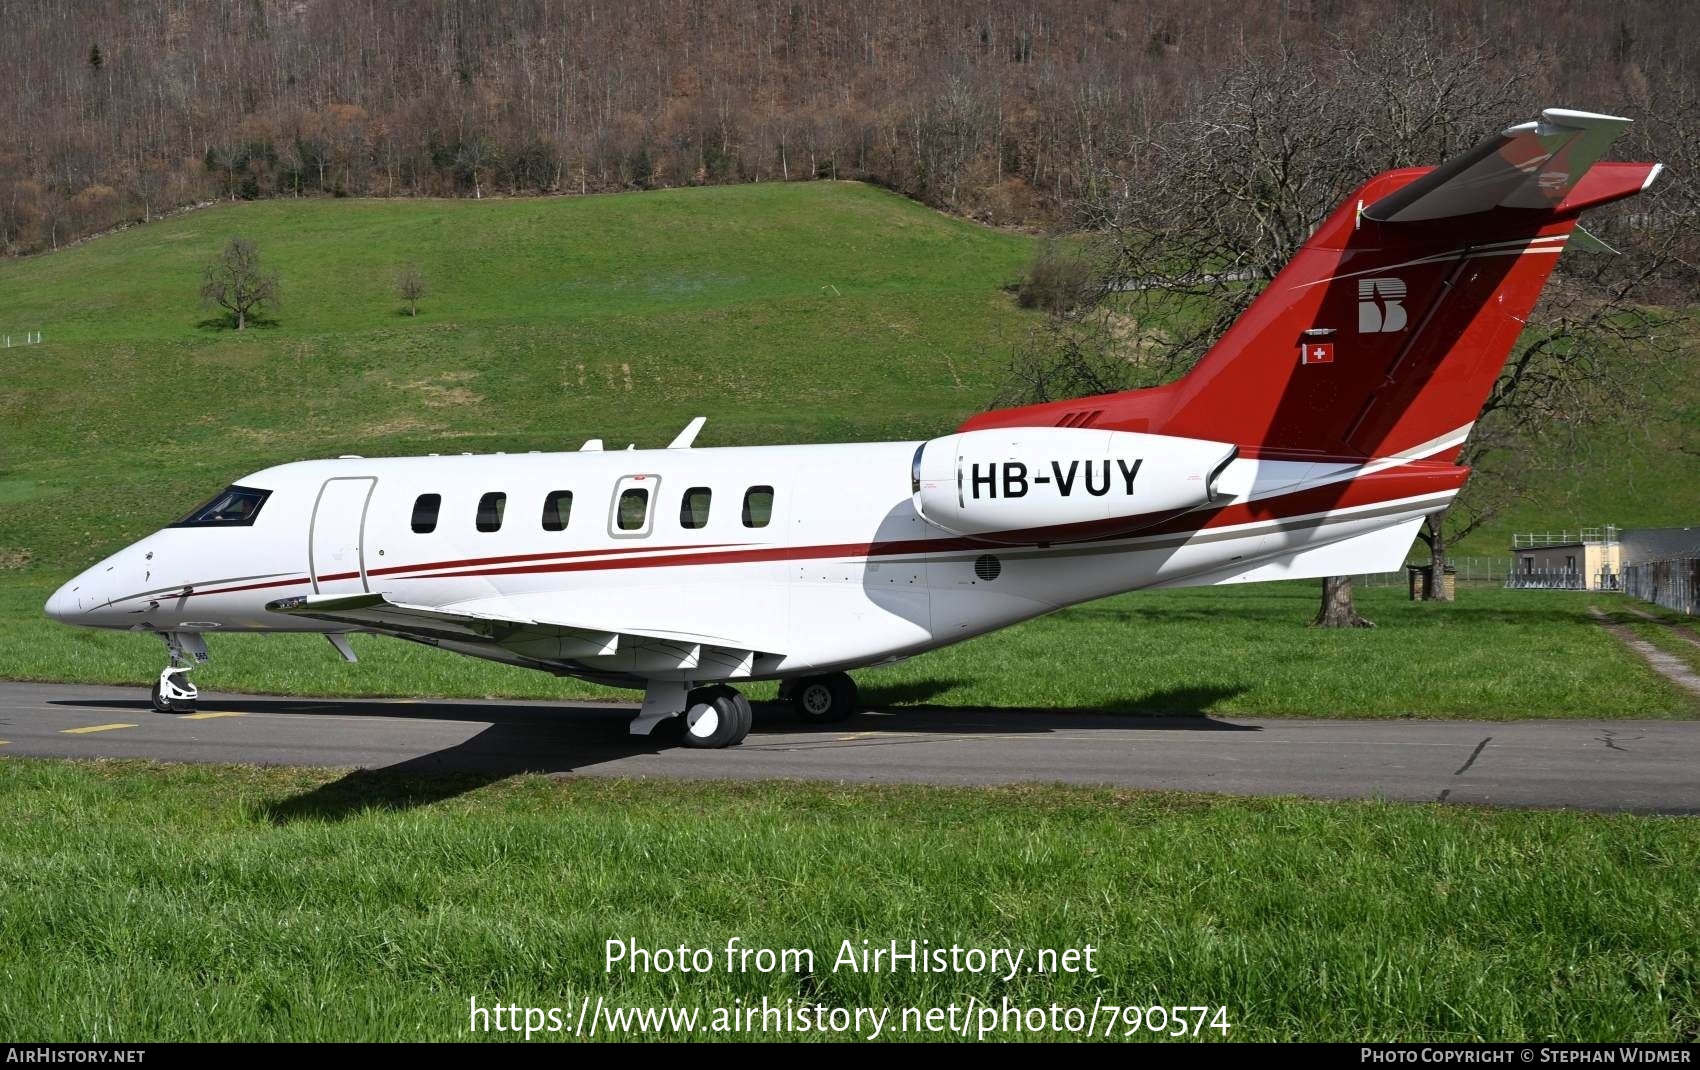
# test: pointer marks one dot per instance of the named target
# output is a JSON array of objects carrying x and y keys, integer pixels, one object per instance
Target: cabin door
[{"x": 335, "y": 557}]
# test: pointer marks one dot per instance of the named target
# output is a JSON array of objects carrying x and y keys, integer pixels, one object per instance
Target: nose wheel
[{"x": 172, "y": 692}]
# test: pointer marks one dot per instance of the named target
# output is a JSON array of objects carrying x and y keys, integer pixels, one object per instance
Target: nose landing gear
[{"x": 172, "y": 692}]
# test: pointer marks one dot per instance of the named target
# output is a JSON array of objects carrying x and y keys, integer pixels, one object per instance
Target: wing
[
  {"x": 1532, "y": 166},
  {"x": 575, "y": 646}
]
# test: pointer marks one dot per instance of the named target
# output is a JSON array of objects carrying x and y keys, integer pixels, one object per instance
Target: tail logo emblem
[{"x": 1381, "y": 306}]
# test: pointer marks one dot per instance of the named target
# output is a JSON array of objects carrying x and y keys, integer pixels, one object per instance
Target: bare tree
[
  {"x": 410, "y": 286},
  {"x": 1597, "y": 344},
  {"x": 1339, "y": 609},
  {"x": 1000, "y": 110},
  {"x": 236, "y": 282},
  {"x": 1197, "y": 218}
]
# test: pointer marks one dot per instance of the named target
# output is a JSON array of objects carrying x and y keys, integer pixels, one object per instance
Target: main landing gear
[
  {"x": 716, "y": 717},
  {"x": 705, "y": 718},
  {"x": 172, "y": 692},
  {"x": 821, "y": 699}
]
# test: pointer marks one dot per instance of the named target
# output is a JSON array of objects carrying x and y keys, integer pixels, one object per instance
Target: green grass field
[
  {"x": 155, "y": 902},
  {"x": 807, "y": 312}
]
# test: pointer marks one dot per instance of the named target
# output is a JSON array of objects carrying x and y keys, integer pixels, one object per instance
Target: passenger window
[
  {"x": 490, "y": 509},
  {"x": 758, "y": 507},
  {"x": 425, "y": 509},
  {"x": 557, "y": 510},
  {"x": 693, "y": 508},
  {"x": 634, "y": 506},
  {"x": 630, "y": 515}
]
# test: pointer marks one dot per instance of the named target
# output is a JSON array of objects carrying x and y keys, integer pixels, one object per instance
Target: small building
[
  {"x": 1662, "y": 565},
  {"x": 1588, "y": 559},
  {"x": 1644, "y": 545}
]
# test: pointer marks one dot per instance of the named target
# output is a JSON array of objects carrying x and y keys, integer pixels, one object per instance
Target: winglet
[
  {"x": 1532, "y": 165},
  {"x": 683, "y": 440}
]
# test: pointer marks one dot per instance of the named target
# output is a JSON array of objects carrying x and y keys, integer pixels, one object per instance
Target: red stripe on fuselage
[
  {"x": 434, "y": 565},
  {"x": 446, "y": 564}
]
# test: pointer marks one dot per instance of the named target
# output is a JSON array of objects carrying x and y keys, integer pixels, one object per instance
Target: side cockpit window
[{"x": 234, "y": 507}]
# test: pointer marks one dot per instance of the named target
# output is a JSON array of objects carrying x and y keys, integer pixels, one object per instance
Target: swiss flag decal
[{"x": 1316, "y": 353}]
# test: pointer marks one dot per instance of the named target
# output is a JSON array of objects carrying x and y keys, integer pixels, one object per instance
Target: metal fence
[
  {"x": 1546, "y": 579},
  {"x": 1532, "y": 540},
  {"x": 1673, "y": 583},
  {"x": 1469, "y": 570}
]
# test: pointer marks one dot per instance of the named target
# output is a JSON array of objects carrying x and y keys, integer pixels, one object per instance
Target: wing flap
[{"x": 621, "y": 650}]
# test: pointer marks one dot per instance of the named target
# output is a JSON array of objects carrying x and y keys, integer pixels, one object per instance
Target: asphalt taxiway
[{"x": 1645, "y": 766}]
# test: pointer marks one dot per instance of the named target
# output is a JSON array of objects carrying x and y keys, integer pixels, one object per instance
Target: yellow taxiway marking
[
  {"x": 93, "y": 728},
  {"x": 3, "y": 742},
  {"x": 209, "y": 715}
]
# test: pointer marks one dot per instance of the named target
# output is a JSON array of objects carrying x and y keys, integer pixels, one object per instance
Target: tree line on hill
[
  {"x": 1170, "y": 254},
  {"x": 1005, "y": 111}
]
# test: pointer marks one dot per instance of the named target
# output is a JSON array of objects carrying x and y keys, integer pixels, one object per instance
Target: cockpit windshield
[{"x": 233, "y": 507}]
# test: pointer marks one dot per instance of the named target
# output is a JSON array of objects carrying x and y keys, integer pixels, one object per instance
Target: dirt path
[{"x": 1669, "y": 666}]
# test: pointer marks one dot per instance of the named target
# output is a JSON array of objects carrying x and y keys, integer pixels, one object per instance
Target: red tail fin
[{"x": 1385, "y": 333}]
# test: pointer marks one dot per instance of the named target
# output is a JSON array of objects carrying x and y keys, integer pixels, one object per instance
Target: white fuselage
[{"x": 844, "y": 573}]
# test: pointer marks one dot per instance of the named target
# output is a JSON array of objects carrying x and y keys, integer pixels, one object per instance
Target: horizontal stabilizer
[
  {"x": 1382, "y": 550},
  {"x": 1531, "y": 165}
]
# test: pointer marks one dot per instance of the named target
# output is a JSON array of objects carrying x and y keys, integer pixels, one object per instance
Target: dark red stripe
[
  {"x": 471, "y": 561},
  {"x": 219, "y": 590},
  {"x": 731, "y": 557},
  {"x": 1391, "y": 484}
]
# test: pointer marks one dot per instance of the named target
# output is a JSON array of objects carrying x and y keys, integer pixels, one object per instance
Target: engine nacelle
[{"x": 1026, "y": 485}]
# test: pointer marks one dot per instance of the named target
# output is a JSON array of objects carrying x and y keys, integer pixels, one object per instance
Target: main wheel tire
[
  {"x": 824, "y": 699},
  {"x": 745, "y": 711},
  {"x": 715, "y": 717}
]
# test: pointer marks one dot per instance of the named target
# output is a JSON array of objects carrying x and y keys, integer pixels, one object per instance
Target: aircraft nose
[
  {"x": 62, "y": 604},
  {"x": 80, "y": 596}
]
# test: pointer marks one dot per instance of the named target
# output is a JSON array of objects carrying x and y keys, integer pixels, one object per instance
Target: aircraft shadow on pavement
[
  {"x": 521, "y": 738},
  {"x": 1170, "y": 708}
]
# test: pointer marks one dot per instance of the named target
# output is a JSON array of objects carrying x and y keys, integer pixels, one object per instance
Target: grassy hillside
[
  {"x": 807, "y": 312},
  {"x": 1642, "y": 470}
]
